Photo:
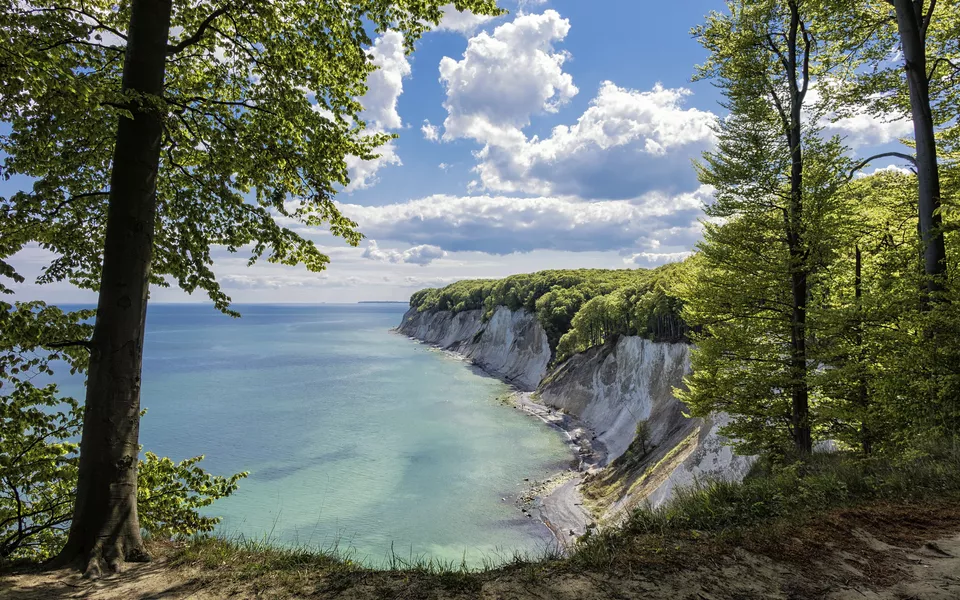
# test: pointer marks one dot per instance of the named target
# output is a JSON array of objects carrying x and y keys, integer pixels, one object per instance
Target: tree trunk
[
  {"x": 910, "y": 22},
  {"x": 105, "y": 530},
  {"x": 800, "y": 392},
  {"x": 863, "y": 399}
]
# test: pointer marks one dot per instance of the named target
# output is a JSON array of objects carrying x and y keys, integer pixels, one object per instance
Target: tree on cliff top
[
  {"x": 901, "y": 58},
  {"x": 154, "y": 131},
  {"x": 771, "y": 225}
]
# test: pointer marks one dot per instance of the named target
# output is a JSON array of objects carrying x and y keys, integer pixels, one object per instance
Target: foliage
[
  {"x": 771, "y": 232},
  {"x": 261, "y": 112},
  {"x": 642, "y": 435},
  {"x": 579, "y": 308},
  {"x": 826, "y": 481},
  {"x": 169, "y": 495},
  {"x": 864, "y": 35},
  {"x": 39, "y": 429}
]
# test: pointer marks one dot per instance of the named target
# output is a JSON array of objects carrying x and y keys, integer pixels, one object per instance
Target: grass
[
  {"x": 696, "y": 520},
  {"x": 773, "y": 498},
  {"x": 787, "y": 515},
  {"x": 239, "y": 561}
]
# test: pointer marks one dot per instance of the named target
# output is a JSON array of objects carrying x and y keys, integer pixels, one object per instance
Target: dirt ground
[{"x": 882, "y": 553}]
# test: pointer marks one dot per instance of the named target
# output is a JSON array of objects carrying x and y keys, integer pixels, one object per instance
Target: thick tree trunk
[
  {"x": 910, "y": 22},
  {"x": 105, "y": 530}
]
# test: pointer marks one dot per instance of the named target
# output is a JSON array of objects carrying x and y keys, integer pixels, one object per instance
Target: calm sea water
[{"x": 353, "y": 435}]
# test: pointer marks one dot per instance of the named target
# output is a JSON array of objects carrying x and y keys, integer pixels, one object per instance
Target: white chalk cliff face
[
  {"x": 612, "y": 387},
  {"x": 608, "y": 388},
  {"x": 511, "y": 345}
]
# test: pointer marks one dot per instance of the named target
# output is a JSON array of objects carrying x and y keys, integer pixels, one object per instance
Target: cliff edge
[{"x": 610, "y": 389}]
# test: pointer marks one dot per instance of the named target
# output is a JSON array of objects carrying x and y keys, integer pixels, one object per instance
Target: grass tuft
[{"x": 774, "y": 494}]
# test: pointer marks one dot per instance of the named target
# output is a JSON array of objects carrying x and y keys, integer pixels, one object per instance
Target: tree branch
[
  {"x": 925, "y": 23},
  {"x": 807, "y": 43},
  {"x": 865, "y": 162},
  {"x": 70, "y": 343},
  {"x": 198, "y": 34}
]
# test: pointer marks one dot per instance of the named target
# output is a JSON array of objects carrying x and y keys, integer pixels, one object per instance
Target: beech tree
[
  {"x": 903, "y": 60},
  {"x": 776, "y": 180},
  {"x": 154, "y": 132}
]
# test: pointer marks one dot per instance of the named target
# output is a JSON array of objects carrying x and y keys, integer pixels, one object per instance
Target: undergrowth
[
  {"x": 779, "y": 494},
  {"x": 768, "y": 495}
]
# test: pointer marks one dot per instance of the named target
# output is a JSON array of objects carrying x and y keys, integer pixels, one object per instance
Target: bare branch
[
  {"x": 864, "y": 163},
  {"x": 925, "y": 23},
  {"x": 198, "y": 34},
  {"x": 70, "y": 343},
  {"x": 807, "y": 43}
]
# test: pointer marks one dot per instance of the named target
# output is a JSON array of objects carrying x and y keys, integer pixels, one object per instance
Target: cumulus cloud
[
  {"x": 421, "y": 255},
  {"x": 430, "y": 132},
  {"x": 654, "y": 259},
  {"x": 385, "y": 85},
  {"x": 863, "y": 129},
  {"x": 626, "y": 143},
  {"x": 888, "y": 168},
  {"x": 505, "y": 78},
  {"x": 860, "y": 127},
  {"x": 464, "y": 23},
  {"x": 503, "y": 225}
]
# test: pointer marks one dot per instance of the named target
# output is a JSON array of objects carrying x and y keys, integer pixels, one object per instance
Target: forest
[{"x": 822, "y": 302}]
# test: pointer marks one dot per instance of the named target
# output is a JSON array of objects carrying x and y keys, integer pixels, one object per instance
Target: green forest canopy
[{"x": 578, "y": 308}]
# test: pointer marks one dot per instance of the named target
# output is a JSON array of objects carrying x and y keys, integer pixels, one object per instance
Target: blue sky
[{"x": 558, "y": 136}]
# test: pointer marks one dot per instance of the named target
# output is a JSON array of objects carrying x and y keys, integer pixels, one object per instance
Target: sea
[{"x": 356, "y": 438}]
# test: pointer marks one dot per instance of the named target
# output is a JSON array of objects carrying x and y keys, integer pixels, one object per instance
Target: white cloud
[
  {"x": 464, "y": 22},
  {"x": 653, "y": 259},
  {"x": 443, "y": 166},
  {"x": 888, "y": 168},
  {"x": 430, "y": 132},
  {"x": 863, "y": 129},
  {"x": 385, "y": 85},
  {"x": 363, "y": 173},
  {"x": 421, "y": 255},
  {"x": 858, "y": 126},
  {"x": 503, "y": 225},
  {"x": 505, "y": 78},
  {"x": 626, "y": 143}
]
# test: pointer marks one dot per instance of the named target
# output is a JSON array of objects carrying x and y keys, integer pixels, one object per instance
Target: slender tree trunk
[
  {"x": 910, "y": 22},
  {"x": 800, "y": 392},
  {"x": 862, "y": 398},
  {"x": 105, "y": 530}
]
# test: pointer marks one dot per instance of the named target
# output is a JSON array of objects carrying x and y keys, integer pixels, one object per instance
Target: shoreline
[{"x": 556, "y": 501}]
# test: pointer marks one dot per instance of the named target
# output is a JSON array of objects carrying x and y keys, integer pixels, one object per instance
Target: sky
[{"x": 561, "y": 135}]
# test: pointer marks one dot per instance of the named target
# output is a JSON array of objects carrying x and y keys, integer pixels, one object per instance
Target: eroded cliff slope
[
  {"x": 511, "y": 345},
  {"x": 610, "y": 389}
]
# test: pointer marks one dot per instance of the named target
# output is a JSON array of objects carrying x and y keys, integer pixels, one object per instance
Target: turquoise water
[{"x": 354, "y": 435}]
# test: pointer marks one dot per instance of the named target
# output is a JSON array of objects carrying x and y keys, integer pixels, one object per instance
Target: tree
[
  {"x": 923, "y": 87},
  {"x": 146, "y": 150},
  {"x": 769, "y": 233}
]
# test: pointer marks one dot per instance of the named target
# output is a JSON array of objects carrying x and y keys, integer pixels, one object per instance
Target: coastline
[{"x": 555, "y": 501}]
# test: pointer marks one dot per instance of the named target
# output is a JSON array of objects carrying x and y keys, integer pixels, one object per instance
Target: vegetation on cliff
[{"x": 578, "y": 308}]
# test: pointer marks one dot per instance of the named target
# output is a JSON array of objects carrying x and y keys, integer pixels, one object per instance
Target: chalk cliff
[
  {"x": 511, "y": 345},
  {"x": 610, "y": 389}
]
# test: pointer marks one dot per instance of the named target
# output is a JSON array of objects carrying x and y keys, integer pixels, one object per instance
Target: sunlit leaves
[{"x": 261, "y": 107}]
